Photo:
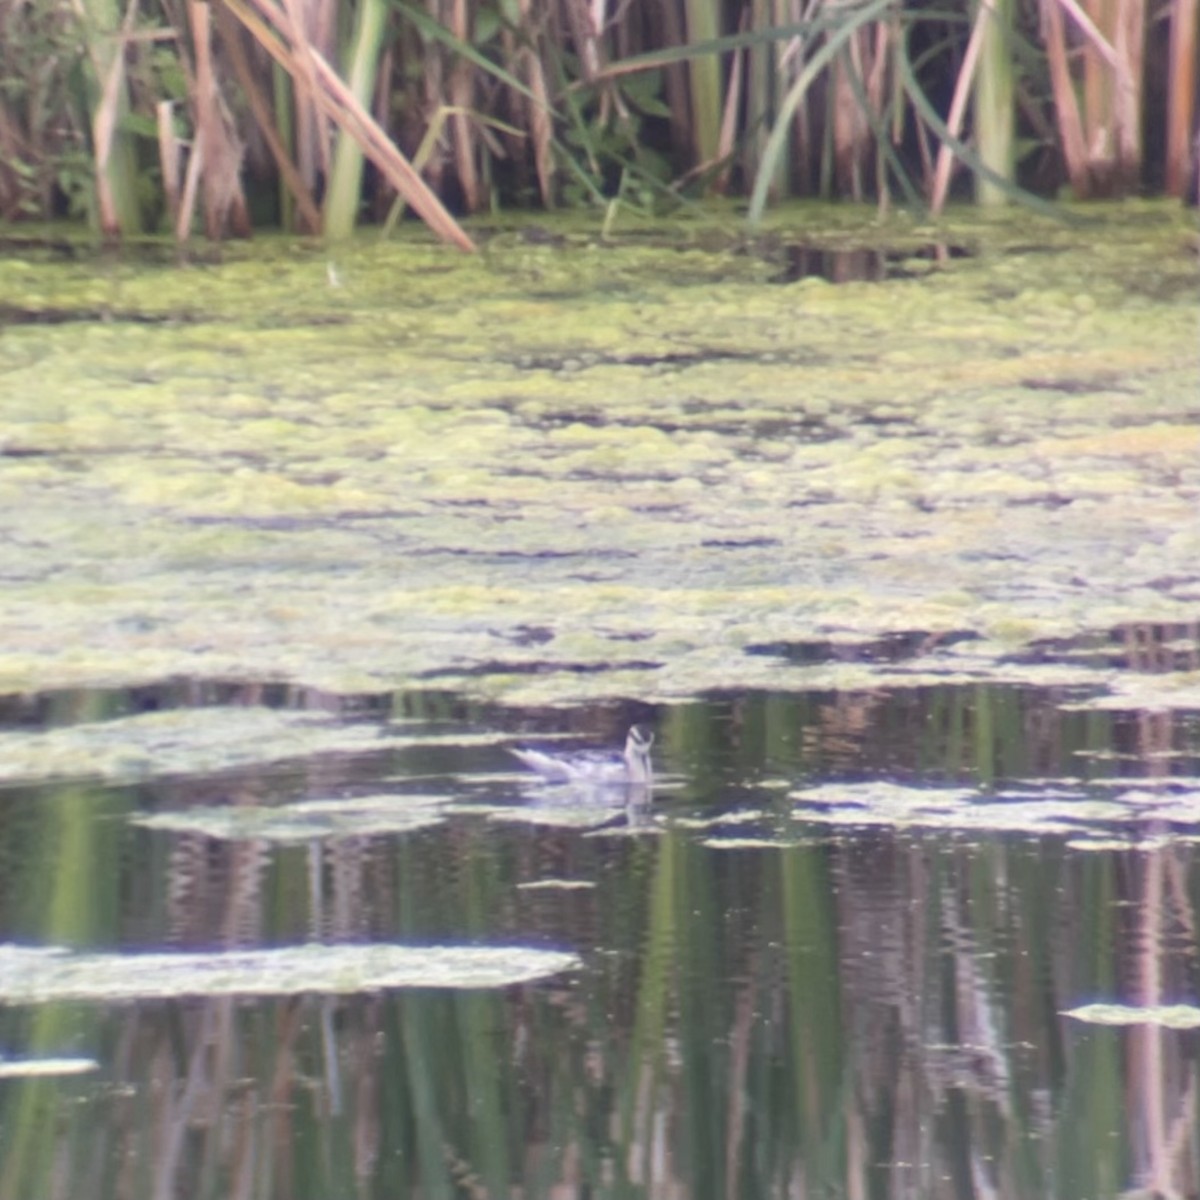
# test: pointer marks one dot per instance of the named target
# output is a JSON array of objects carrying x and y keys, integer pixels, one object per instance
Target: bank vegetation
[{"x": 319, "y": 115}]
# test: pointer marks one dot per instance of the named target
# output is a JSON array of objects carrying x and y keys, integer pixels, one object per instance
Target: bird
[{"x": 592, "y": 768}]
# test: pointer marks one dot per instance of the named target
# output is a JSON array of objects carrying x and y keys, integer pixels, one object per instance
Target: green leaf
[
  {"x": 488, "y": 24},
  {"x": 140, "y": 126}
]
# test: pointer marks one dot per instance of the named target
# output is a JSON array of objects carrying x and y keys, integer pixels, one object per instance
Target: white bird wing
[
  {"x": 583, "y": 766},
  {"x": 543, "y": 764}
]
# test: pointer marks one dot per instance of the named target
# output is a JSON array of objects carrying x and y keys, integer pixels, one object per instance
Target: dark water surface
[{"x": 780, "y": 994}]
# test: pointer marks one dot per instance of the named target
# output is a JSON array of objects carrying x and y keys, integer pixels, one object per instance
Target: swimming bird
[{"x": 593, "y": 768}]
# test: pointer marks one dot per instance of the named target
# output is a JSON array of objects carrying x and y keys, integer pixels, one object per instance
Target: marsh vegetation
[
  {"x": 317, "y": 117},
  {"x": 886, "y": 529}
]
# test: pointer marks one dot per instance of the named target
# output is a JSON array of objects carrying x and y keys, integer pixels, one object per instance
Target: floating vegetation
[
  {"x": 309, "y": 820},
  {"x": 1148, "y": 693},
  {"x": 635, "y": 825},
  {"x": 41, "y": 976},
  {"x": 554, "y": 817},
  {"x": 558, "y": 475},
  {"x": 1051, "y": 808},
  {"x": 35, "y": 1068},
  {"x": 750, "y": 843},
  {"x": 197, "y": 740},
  {"x": 1168, "y": 1016},
  {"x": 556, "y": 885},
  {"x": 742, "y": 816}
]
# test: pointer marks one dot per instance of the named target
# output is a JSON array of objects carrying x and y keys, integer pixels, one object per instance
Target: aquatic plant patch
[
  {"x": 34, "y": 1068},
  {"x": 1166, "y": 1016},
  {"x": 203, "y": 740},
  {"x": 1059, "y": 807},
  {"x": 653, "y": 456},
  {"x": 307, "y": 821},
  {"x": 42, "y": 976}
]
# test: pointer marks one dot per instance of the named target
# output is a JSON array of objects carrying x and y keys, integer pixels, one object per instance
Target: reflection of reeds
[
  {"x": 553, "y": 100},
  {"x": 853, "y": 1012}
]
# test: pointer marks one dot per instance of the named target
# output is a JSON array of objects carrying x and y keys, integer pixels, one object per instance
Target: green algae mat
[
  {"x": 568, "y": 469},
  {"x": 46, "y": 974}
]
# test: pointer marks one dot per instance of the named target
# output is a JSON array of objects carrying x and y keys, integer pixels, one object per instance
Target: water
[
  {"x": 838, "y": 542},
  {"x": 771, "y": 998}
]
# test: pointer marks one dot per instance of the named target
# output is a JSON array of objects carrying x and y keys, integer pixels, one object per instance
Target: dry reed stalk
[
  {"x": 586, "y": 23},
  {"x": 1181, "y": 93},
  {"x": 220, "y": 150},
  {"x": 1096, "y": 96},
  {"x": 851, "y": 130},
  {"x": 1112, "y": 71},
  {"x": 799, "y": 161},
  {"x": 1111, "y": 106},
  {"x": 462, "y": 100},
  {"x": 191, "y": 187},
  {"x": 168, "y": 157},
  {"x": 1091, "y": 31},
  {"x": 434, "y": 87},
  {"x": 383, "y": 85},
  {"x": 312, "y": 137},
  {"x": 876, "y": 83},
  {"x": 1129, "y": 41},
  {"x": 1070, "y": 126},
  {"x": 668, "y": 31},
  {"x": 340, "y": 105},
  {"x": 231, "y": 38},
  {"x": 958, "y": 104},
  {"x": 13, "y": 149},
  {"x": 104, "y": 124},
  {"x": 729, "y": 121},
  {"x": 845, "y": 128},
  {"x": 323, "y": 37},
  {"x": 541, "y": 127}
]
